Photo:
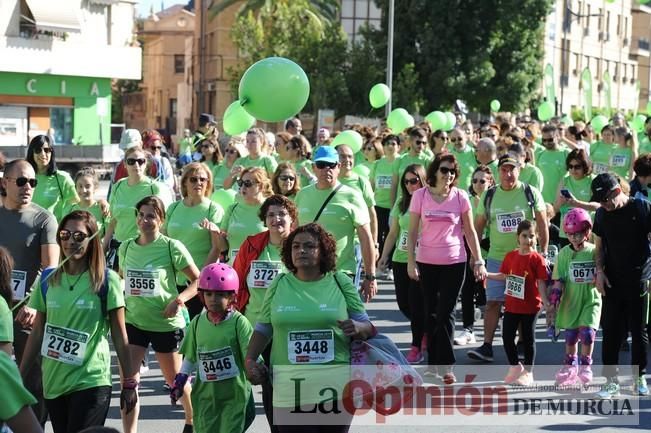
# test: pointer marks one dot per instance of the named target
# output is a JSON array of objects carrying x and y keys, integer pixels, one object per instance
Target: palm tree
[{"x": 324, "y": 9}]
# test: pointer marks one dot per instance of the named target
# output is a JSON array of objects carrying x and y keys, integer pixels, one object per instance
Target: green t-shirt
[
  {"x": 600, "y": 154},
  {"x": 55, "y": 192},
  {"x": 533, "y": 176},
  {"x": 579, "y": 189},
  {"x": 344, "y": 213},
  {"x": 240, "y": 221},
  {"x": 150, "y": 281},
  {"x": 552, "y": 166},
  {"x": 467, "y": 164},
  {"x": 219, "y": 173},
  {"x": 262, "y": 273},
  {"x": 400, "y": 251},
  {"x": 362, "y": 185},
  {"x": 184, "y": 224},
  {"x": 220, "y": 390},
  {"x": 263, "y": 161},
  {"x": 495, "y": 170},
  {"x": 382, "y": 180},
  {"x": 620, "y": 162},
  {"x": 580, "y": 303},
  {"x": 644, "y": 143},
  {"x": 15, "y": 394},
  {"x": 298, "y": 166},
  {"x": 6, "y": 322},
  {"x": 299, "y": 311},
  {"x": 94, "y": 209},
  {"x": 75, "y": 347},
  {"x": 123, "y": 202},
  {"x": 507, "y": 209},
  {"x": 407, "y": 159},
  {"x": 211, "y": 165}
]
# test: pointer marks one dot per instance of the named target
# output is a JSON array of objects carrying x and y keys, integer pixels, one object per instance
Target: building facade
[{"x": 58, "y": 59}]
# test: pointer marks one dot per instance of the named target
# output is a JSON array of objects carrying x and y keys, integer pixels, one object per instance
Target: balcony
[
  {"x": 641, "y": 48},
  {"x": 55, "y": 56}
]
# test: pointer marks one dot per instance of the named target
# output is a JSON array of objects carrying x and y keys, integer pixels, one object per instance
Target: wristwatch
[{"x": 370, "y": 277}]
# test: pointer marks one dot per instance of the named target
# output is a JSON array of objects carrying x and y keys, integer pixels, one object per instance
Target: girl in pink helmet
[
  {"x": 575, "y": 299},
  {"x": 215, "y": 347}
]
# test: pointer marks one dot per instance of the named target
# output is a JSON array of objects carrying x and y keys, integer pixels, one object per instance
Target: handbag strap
[{"x": 327, "y": 200}]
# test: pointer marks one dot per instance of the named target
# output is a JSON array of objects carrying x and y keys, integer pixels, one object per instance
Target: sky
[{"x": 145, "y": 5}]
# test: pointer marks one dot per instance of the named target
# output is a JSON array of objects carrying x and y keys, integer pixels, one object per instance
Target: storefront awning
[{"x": 55, "y": 16}]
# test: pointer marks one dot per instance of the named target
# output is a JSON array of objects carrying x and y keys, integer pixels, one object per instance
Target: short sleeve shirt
[
  {"x": 16, "y": 395},
  {"x": 552, "y": 165},
  {"x": 362, "y": 185},
  {"x": 122, "y": 202},
  {"x": 265, "y": 162},
  {"x": 240, "y": 221},
  {"x": 54, "y": 192},
  {"x": 382, "y": 180},
  {"x": 532, "y": 268}
]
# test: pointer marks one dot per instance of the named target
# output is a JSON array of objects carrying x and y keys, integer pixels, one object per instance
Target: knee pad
[
  {"x": 571, "y": 336},
  {"x": 587, "y": 335}
]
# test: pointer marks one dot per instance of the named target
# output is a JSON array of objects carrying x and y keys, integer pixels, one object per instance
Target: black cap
[
  {"x": 206, "y": 118},
  {"x": 602, "y": 185},
  {"x": 508, "y": 160}
]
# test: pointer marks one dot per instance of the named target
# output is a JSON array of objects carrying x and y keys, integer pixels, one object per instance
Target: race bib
[
  {"x": 599, "y": 167},
  {"x": 383, "y": 182},
  {"x": 311, "y": 347},
  {"x": 19, "y": 283},
  {"x": 582, "y": 272},
  {"x": 64, "y": 345},
  {"x": 402, "y": 242},
  {"x": 139, "y": 282},
  {"x": 515, "y": 286},
  {"x": 508, "y": 222},
  {"x": 552, "y": 252},
  {"x": 262, "y": 273},
  {"x": 217, "y": 365},
  {"x": 618, "y": 160}
]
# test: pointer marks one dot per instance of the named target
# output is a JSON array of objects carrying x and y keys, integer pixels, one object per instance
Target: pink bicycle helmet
[
  {"x": 577, "y": 220},
  {"x": 219, "y": 277}
]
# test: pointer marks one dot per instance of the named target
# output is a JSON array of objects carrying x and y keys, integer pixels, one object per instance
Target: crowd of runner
[{"x": 233, "y": 244}]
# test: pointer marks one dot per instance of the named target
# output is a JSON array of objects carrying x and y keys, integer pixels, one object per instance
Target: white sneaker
[
  {"x": 465, "y": 337},
  {"x": 389, "y": 276}
]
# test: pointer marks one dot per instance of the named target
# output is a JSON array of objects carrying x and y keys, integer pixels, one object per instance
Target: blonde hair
[{"x": 260, "y": 176}]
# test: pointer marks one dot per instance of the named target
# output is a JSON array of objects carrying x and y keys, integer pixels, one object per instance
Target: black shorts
[{"x": 161, "y": 342}]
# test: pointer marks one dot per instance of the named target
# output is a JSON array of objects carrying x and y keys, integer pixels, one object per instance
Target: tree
[{"x": 324, "y": 9}]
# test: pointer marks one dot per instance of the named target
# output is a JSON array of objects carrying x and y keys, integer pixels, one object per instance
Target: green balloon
[
  {"x": 399, "y": 120},
  {"x": 362, "y": 170},
  {"x": 451, "y": 121},
  {"x": 598, "y": 123},
  {"x": 567, "y": 121},
  {"x": 236, "y": 119},
  {"x": 545, "y": 111},
  {"x": 350, "y": 138},
  {"x": 495, "y": 105},
  {"x": 648, "y": 108},
  {"x": 638, "y": 122},
  {"x": 274, "y": 89},
  {"x": 437, "y": 119},
  {"x": 379, "y": 95},
  {"x": 224, "y": 197}
]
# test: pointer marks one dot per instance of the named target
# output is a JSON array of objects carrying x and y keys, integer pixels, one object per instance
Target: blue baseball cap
[{"x": 327, "y": 154}]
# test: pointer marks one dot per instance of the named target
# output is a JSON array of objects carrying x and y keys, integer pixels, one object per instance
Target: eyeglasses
[
  {"x": 132, "y": 161},
  {"x": 321, "y": 165},
  {"x": 482, "y": 181},
  {"x": 412, "y": 181},
  {"x": 197, "y": 179},
  {"x": 286, "y": 178},
  {"x": 246, "y": 183},
  {"x": 446, "y": 170},
  {"x": 22, "y": 181},
  {"x": 574, "y": 166},
  {"x": 77, "y": 236},
  {"x": 43, "y": 149}
]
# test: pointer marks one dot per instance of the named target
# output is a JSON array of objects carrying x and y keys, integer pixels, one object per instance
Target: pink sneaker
[
  {"x": 585, "y": 370},
  {"x": 515, "y": 371},
  {"x": 567, "y": 375},
  {"x": 415, "y": 356}
]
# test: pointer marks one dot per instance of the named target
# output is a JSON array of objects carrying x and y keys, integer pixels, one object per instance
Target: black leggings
[
  {"x": 194, "y": 305},
  {"x": 409, "y": 296},
  {"x": 78, "y": 410},
  {"x": 510, "y": 325},
  {"x": 441, "y": 286},
  {"x": 382, "y": 225}
]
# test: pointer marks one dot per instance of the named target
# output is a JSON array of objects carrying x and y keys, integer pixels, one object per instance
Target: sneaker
[
  {"x": 389, "y": 276},
  {"x": 415, "y": 356},
  {"x": 465, "y": 337},
  {"x": 482, "y": 353},
  {"x": 567, "y": 375},
  {"x": 609, "y": 390},
  {"x": 514, "y": 372},
  {"x": 585, "y": 369},
  {"x": 640, "y": 387},
  {"x": 525, "y": 379}
]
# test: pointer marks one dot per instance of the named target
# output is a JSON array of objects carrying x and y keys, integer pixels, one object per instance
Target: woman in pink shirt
[{"x": 440, "y": 217}]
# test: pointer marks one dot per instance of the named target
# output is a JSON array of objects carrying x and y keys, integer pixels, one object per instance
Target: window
[
  {"x": 179, "y": 63},
  {"x": 587, "y": 15},
  {"x": 357, "y": 13},
  {"x": 61, "y": 122},
  {"x": 619, "y": 25}
]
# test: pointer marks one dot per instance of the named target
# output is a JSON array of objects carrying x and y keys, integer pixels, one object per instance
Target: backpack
[
  {"x": 103, "y": 291},
  {"x": 490, "y": 193}
]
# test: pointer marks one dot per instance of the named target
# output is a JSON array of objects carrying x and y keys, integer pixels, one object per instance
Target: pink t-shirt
[{"x": 441, "y": 227}]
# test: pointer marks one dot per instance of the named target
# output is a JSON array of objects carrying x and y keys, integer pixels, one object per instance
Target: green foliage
[
  {"x": 324, "y": 9},
  {"x": 406, "y": 90}
]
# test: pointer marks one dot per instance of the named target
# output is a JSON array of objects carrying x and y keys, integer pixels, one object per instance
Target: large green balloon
[
  {"x": 224, "y": 197},
  {"x": 495, "y": 105},
  {"x": 236, "y": 119},
  {"x": 545, "y": 111},
  {"x": 451, "y": 121},
  {"x": 362, "y": 170},
  {"x": 274, "y": 89},
  {"x": 379, "y": 95},
  {"x": 598, "y": 123},
  {"x": 437, "y": 119},
  {"x": 399, "y": 120},
  {"x": 638, "y": 122},
  {"x": 350, "y": 138}
]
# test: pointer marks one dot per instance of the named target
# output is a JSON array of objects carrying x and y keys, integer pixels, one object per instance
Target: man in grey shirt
[{"x": 29, "y": 233}]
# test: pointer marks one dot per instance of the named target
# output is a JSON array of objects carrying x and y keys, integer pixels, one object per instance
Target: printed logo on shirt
[
  {"x": 52, "y": 303},
  {"x": 83, "y": 305},
  {"x": 324, "y": 307},
  {"x": 287, "y": 309}
]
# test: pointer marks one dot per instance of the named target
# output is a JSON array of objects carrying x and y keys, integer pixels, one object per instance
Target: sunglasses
[
  {"x": 246, "y": 183},
  {"x": 445, "y": 170},
  {"x": 575, "y": 166},
  {"x": 197, "y": 179},
  {"x": 324, "y": 164},
  {"x": 43, "y": 149},
  {"x": 157, "y": 147},
  {"x": 232, "y": 151},
  {"x": 454, "y": 140},
  {"x": 444, "y": 138},
  {"x": 286, "y": 178},
  {"x": 482, "y": 181},
  {"x": 22, "y": 181},
  {"x": 65, "y": 235},
  {"x": 423, "y": 142},
  {"x": 133, "y": 161},
  {"x": 412, "y": 181}
]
